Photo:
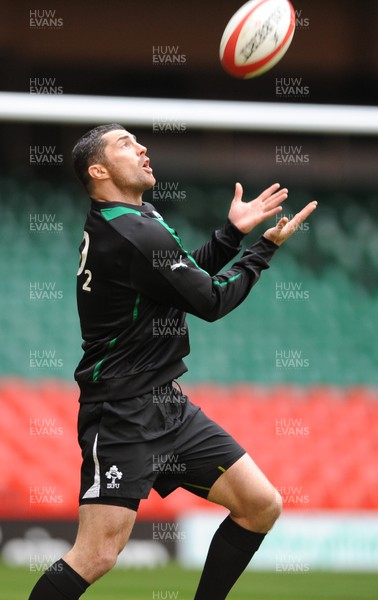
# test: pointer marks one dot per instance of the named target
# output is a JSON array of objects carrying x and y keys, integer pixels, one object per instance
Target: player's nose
[{"x": 141, "y": 149}]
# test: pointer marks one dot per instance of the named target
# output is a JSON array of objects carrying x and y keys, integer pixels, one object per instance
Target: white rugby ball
[{"x": 257, "y": 37}]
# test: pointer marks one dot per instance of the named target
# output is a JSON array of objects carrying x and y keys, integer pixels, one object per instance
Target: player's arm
[
  {"x": 224, "y": 245},
  {"x": 183, "y": 284},
  {"x": 242, "y": 218}
]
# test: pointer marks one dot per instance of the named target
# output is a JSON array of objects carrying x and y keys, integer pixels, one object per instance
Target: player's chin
[{"x": 150, "y": 181}]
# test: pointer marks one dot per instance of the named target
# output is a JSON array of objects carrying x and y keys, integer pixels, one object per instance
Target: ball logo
[{"x": 257, "y": 37}]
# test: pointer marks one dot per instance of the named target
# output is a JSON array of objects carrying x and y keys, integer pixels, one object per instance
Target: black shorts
[{"x": 158, "y": 440}]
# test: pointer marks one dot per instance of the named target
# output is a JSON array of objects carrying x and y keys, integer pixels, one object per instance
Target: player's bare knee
[
  {"x": 273, "y": 502},
  {"x": 272, "y": 511},
  {"x": 262, "y": 514},
  {"x": 277, "y": 505},
  {"x": 103, "y": 561}
]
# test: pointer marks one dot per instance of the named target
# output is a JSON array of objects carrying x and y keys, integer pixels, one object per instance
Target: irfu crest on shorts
[{"x": 113, "y": 474}]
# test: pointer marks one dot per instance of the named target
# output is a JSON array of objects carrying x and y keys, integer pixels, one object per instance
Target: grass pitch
[{"x": 175, "y": 583}]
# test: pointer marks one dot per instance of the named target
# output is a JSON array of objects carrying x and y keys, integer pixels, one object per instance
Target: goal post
[{"x": 196, "y": 114}]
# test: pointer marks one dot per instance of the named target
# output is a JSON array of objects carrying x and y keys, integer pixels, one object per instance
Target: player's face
[{"x": 126, "y": 162}]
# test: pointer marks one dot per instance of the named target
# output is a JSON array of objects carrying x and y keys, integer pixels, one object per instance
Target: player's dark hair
[{"x": 90, "y": 149}]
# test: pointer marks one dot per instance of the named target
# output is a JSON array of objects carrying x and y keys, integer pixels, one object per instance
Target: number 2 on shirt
[{"x": 87, "y": 272}]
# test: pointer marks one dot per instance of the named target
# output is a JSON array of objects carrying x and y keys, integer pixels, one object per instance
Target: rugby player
[{"x": 126, "y": 426}]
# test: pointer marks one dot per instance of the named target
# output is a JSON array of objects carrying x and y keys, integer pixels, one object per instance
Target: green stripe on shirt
[
  {"x": 97, "y": 369},
  {"x": 117, "y": 211},
  {"x": 175, "y": 236},
  {"x": 230, "y": 280}
]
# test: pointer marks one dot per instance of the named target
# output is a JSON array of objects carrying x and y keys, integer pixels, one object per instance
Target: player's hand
[
  {"x": 285, "y": 228},
  {"x": 246, "y": 215}
]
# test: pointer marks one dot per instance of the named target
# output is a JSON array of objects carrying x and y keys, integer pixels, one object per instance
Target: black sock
[
  {"x": 59, "y": 582},
  {"x": 231, "y": 549}
]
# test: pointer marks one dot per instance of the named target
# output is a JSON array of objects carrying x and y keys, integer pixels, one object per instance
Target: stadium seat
[
  {"x": 334, "y": 463},
  {"x": 242, "y": 346},
  {"x": 317, "y": 445}
]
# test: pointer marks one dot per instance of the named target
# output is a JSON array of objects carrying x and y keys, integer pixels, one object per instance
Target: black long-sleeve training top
[{"x": 136, "y": 282}]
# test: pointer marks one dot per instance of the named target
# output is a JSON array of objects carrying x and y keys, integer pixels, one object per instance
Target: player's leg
[
  {"x": 254, "y": 503},
  {"x": 217, "y": 468},
  {"x": 106, "y": 514},
  {"x": 102, "y": 534},
  {"x": 254, "y": 506}
]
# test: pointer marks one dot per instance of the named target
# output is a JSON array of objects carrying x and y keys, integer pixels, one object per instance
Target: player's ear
[{"x": 98, "y": 171}]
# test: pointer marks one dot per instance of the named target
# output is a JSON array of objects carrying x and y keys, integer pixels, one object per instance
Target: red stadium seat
[{"x": 318, "y": 445}]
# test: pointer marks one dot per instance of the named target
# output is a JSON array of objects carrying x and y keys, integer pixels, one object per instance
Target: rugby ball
[{"x": 257, "y": 37}]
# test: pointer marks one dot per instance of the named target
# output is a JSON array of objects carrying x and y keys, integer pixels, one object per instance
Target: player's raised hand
[
  {"x": 246, "y": 215},
  {"x": 285, "y": 228}
]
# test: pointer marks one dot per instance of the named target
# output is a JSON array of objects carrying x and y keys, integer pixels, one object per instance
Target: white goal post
[{"x": 195, "y": 114}]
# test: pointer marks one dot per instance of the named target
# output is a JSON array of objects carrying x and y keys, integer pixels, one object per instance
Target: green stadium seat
[{"x": 336, "y": 269}]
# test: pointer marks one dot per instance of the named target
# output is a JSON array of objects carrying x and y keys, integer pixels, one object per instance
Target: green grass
[{"x": 179, "y": 584}]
